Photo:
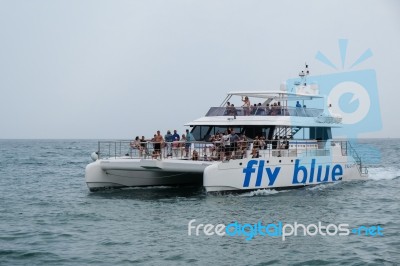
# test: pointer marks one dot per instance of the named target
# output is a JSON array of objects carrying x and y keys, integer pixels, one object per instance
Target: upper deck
[
  {"x": 268, "y": 103},
  {"x": 274, "y": 95},
  {"x": 303, "y": 108},
  {"x": 265, "y": 111}
]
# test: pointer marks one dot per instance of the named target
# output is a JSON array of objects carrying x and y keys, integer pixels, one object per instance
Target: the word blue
[{"x": 337, "y": 171}]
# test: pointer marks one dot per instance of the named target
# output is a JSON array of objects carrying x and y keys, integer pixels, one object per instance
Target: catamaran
[{"x": 284, "y": 141}]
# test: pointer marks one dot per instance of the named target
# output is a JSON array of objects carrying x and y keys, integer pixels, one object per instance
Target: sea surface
[{"x": 48, "y": 216}]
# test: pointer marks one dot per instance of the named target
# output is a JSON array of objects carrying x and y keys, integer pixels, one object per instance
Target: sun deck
[
  {"x": 269, "y": 103},
  {"x": 265, "y": 111}
]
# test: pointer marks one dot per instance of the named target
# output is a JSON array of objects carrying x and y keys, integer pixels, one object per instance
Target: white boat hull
[
  {"x": 276, "y": 168},
  {"x": 233, "y": 175},
  {"x": 279, "y": 172},
  {"x": 120, "y": 172}
]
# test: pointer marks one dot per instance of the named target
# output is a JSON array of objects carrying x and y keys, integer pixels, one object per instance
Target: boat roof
[
  {"x": 286, "y": 121},
  {"x": 289, "y": 96}
]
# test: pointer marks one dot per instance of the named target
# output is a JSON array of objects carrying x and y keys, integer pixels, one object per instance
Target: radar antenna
[{"x": 303, "y": 75}]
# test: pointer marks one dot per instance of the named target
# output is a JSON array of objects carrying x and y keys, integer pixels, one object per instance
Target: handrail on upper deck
[{"x": 264, "y": 111}]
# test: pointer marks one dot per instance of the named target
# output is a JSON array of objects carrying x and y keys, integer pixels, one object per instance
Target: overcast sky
[{"x": 116, "y": 69}]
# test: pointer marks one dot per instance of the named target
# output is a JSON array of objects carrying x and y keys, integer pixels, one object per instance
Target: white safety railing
[{"x": 217, "y": 151}]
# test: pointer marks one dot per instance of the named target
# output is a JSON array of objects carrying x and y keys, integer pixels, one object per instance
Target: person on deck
[
  {"x": 234, "y": 138},
  {"x": 158, "y": 140},
  {"x": 189, "y": 139},
  {"x": 143, "y": 144},
  {"x": 176, "y": 135},
  {"x": 169, "y": 138},
  {"x": 135, "y": 145},
  {"x": 246, "y": 105}
]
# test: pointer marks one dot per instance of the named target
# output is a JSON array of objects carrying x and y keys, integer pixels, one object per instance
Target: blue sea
[{"x": 48, "y": 216}]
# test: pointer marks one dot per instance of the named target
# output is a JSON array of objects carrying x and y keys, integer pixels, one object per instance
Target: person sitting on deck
[
  {"x": 274, "y": 110},
  {"x": 253, "y": 109},
  {"x": 282, "y": 143},
  {"x": 255, "y": 153},
  {"x": 195, "y": 155},
  {"x": 256, "y": 143},
  {"x": 279, "y": 108},
  {"x": 154, "y": 155},
  {"x": 241, "y": 148},
  {"x": 260, "y": 110},
  {"x": 230, "y": 109}
]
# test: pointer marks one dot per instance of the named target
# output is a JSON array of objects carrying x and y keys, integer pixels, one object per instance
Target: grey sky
[{"x": 117, "y": 69}]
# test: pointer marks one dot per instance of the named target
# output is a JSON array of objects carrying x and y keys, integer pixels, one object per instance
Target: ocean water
[{"x": 48, "y": 216}]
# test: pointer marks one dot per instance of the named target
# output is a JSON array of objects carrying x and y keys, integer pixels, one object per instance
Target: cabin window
[{"x": 203, "y": 133}]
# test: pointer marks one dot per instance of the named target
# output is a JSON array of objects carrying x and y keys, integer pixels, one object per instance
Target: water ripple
[{"x": 48, "y": 216}]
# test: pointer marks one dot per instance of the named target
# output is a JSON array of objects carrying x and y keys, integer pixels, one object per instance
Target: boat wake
[
  {"x": 322, "y": 186},
  {"x": 383, "y": 173},
  {"x": 261, "y": 192},
  {"x": 147, "y": 188}
]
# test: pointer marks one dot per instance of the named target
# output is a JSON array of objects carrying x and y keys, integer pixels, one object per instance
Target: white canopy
[{"x": 276, "y": 95}]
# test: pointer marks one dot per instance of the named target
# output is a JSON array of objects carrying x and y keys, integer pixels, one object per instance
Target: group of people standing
[
  {"x": 221, "y": 146},
  {"x": 169, "y": 142},
  {"x": 256, "y": 109},
  {"x": 227, "y": 145}
]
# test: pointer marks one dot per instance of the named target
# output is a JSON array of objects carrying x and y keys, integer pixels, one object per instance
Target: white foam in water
[
  {"x": 261, "y": 192},
  {"x": 322, "y": 186},
  {"x": 383, "y": 173},
  {"x": 148, "y": 187}
]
